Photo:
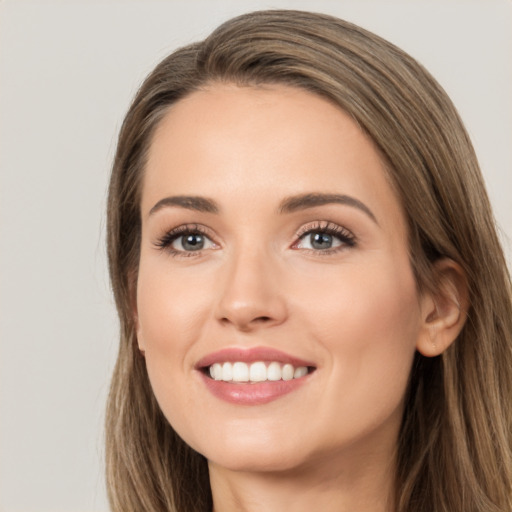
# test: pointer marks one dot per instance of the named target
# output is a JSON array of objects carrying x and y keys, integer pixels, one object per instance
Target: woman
[{"x": 315, "y": 308}]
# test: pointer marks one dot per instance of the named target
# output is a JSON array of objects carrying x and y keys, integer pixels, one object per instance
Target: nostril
[
  {"x": 262, "y": 319},
  {"x": 245, "y": 324}
]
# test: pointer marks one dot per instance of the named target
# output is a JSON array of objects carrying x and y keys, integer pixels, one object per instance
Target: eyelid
[
  {"x": 347, "y": 238},
  {"x": 344, "y": 235},
  {"x": 323, "y": 225},
  {"x": 165, "y": 241}
]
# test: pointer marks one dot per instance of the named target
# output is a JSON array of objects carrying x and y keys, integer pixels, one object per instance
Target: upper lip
[{"x": 250, "y": 355}]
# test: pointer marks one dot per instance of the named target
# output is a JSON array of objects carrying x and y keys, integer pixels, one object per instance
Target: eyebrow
[
  {"x": 304, "y": 201},
  {"x": 198, "y": 204},
  {"x": 288, "y": 205}
]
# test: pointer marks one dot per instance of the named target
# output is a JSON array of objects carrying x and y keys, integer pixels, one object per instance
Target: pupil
[
  {"x": 321, "y": 241},
  {"x": 193, "y": 242}
]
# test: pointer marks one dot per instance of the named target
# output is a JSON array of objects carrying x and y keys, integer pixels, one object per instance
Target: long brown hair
[{"x": 454, "y": 451}]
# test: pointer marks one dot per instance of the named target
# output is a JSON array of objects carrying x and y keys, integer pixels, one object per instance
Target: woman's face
[{"x": 274, "y": 252}]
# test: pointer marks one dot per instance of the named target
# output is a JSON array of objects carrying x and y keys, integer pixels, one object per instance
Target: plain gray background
[{"x": 68, "y": 70}]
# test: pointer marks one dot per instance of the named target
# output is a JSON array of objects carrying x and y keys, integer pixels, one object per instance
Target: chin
[
  {"x": 256, "y": 460},
  {"x": 252, "y": 451}
]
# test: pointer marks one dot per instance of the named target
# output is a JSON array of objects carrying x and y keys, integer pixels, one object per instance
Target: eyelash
[
  {"x": 165, "y": 242},
  {"x": 346, "y": 238}
]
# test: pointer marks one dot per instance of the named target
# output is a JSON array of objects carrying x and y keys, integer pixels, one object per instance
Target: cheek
[
  {"x": 367, "y": 320},
  {"x": 355, "y": 300},
  {"x": 169, "y": 312},
  {"x": 169, "y": 308},
  {"x": 171, "y": 315}
]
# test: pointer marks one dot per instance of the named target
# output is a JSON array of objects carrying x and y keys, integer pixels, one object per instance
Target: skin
[{"x": 355, "y": 311}]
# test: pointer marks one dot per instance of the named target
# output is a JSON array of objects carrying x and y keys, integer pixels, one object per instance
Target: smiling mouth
[{"x": 258, "y": 371}]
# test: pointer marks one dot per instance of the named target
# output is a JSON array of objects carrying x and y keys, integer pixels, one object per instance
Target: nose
[{"x": 251, "y": 293}]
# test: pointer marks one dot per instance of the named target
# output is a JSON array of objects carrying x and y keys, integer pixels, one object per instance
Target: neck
[{"x": 365, "y": 485}]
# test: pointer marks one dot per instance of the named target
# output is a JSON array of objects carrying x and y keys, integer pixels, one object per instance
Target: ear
[
  {"x": 138, "y": 330},
  {"x": 135, "y": 313},
  {"x": 444, "y": 310}
]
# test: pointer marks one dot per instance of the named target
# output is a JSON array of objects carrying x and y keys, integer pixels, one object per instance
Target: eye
[
  {"x": 324, "y": 237},
  {"x": 185, "y": 239},
  {"x": 191, "y": 242},
  {"x": 319, "y": 240}
]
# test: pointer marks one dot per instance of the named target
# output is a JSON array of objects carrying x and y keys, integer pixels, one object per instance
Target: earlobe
[{"x": 444, "y": 310}]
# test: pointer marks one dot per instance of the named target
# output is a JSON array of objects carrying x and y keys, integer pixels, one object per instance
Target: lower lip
[{"x": 256, "y": 393}]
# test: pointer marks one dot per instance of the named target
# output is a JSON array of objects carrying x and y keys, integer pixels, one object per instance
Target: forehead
[{"x": 263, "y": 142}]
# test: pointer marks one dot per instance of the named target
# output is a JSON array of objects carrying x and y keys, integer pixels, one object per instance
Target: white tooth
[
  {"x": 288, "y": 371},
  {"x": 216, "y": 371},
  {"x": 274, "y": 371},
  {"x": 227, "y": 372},
  {"x": 300, "y": 372},
  {"x": 258, "y": 372},
  {"x": 240, "y": 372}
]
